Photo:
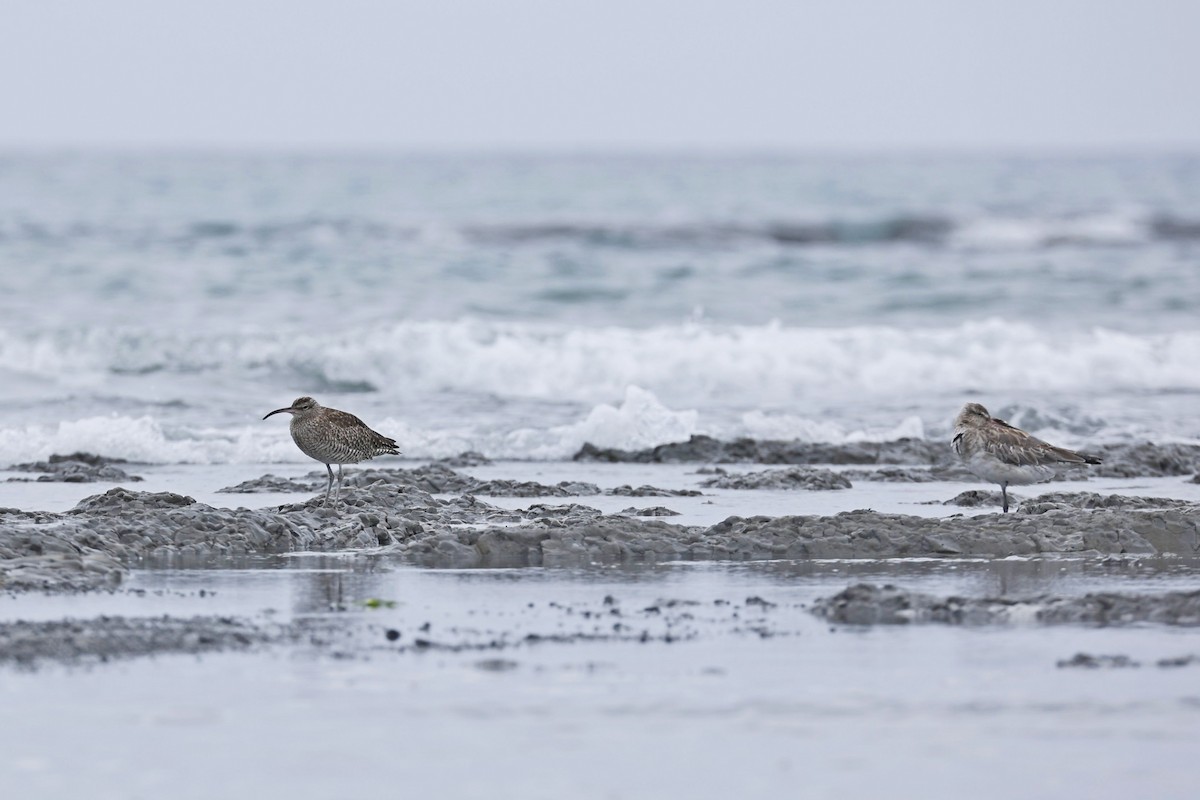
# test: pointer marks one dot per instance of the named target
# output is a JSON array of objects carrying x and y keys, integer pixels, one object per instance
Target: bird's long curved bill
[{"x": 278, "y": 411}]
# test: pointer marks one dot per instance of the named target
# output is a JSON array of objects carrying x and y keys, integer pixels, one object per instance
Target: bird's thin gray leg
[
  {"x": 1004, "y": 496},
  {"x": 328, "y": 486},
  {"x": 339, "y": 489}
]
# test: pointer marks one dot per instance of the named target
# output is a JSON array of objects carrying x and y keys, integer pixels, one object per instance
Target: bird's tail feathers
[{"x": 1071, "y": 457}]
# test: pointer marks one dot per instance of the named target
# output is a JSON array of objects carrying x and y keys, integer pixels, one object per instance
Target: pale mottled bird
[
  {"x": 1000, "y": 453},
  {"x": 333, "y": 437}
]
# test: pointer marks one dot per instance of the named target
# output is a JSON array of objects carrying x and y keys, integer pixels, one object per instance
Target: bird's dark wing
[
  {"x": 1015, "y": 446},
  {"x": 353, "y": 431},
  {"x": 342, "y": 419}
]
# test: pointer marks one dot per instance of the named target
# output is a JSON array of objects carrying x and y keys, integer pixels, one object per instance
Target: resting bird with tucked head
[
  {"x": 333, "y": 437},
  {"x": 1000, "y": 453}
]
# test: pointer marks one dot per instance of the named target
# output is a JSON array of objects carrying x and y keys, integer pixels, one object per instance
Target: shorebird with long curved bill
[
  {"x": 333, "y": 437},
  {"x": 1000, "y": 453}
]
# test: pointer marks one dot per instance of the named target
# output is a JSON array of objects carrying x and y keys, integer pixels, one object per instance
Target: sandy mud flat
[
  {"x": 460, "y": 513},
  {"x": 774, "y": 611},
  {"x": 434, "y": 516}
]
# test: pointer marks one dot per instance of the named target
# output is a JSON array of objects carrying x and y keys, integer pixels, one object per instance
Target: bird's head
[
  {"x": 972, "y": 415},
  {"x": 298, "y": 406}
]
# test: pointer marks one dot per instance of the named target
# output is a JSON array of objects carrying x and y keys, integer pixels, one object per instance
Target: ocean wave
[
  {"x": 755, "y": 366},
  {"x": 540, "y": 391},
  {"x": 139, "y": 439},
  {"x": 902, "y": 228},
  {"x": 1118, "y": 228},
  {"x": 639, "y": 420},
  {"x": 973, "y": 231},
  {"x": 1098, "y": 230}
]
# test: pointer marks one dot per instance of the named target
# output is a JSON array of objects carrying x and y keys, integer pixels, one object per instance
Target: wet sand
[
  {"x": 721, "y": 681},
  {"x": 716, "y": 628}
]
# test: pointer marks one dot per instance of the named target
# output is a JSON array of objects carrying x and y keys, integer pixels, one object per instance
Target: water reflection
[{"x": 323, "y": 584}]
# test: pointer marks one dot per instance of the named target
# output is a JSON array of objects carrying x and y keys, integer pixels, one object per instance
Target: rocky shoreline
[
  {"x": 437, "y": 516},
  {"x": 1144, "y": 459},
  {"x": 395, "y": 513},
  {"x": 75, "y": 468}
]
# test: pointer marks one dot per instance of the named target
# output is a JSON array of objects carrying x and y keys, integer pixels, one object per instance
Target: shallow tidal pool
[{"x": 682, "y": 679}]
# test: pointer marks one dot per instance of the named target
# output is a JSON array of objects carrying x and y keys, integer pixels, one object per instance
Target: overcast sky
[{"x": 603, "y": 74}]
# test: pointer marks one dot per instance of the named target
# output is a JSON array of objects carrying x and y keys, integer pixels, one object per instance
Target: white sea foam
[
  {"x": 614, "y": 387},
  {"x": 760, "y": 425},
  {"x": 144, "y": 439},
  {"x": 690, "y": 364},
  {"x": 1111, "y": 229},
  {"x": 640, "y": 420},
  {"x": 135, "y": 439}
]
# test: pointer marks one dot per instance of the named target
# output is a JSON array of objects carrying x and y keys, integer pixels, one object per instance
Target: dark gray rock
[
  {"x": 907, "y": 474},
  {"x": 1063, "y": 500},
  {"x": 79, "y": 457},
  {"x": 1179, "y": 661},
  {"x": 508, "y": 488},
  {"x": 558, "y": 540},
  {"x": 973, "y": 498},
  {"x": 1112, "y": 608},
  {"x": 56, "y": 566},
  {"x": 436, "y": 478},
  {"x": 1089, "y": 661},
  {"x": 868, "y": 534},
  {"x": 77, "y": 468},
  {"x": 431, "y": 478},
  {"x": 1092, "y": 500},
  {"x": 468, "y": 458},
  {"x": 559, "y": 515},
  {"x": 709, "y": 450},
  {"x": 651, "y": 491},
  {"x": 809, "y": 478},
  {"x": 271, "y": 483},
  {"x": 30, "y": 644},
  {"x": 1146, "y": 460},
  {"x": 87, "y": 546},
  {"x": 386, "y": 512},
  {"x": 1119, "y": 460},
  {"x": 655, "y": 511},
  {"x": 103, "y": 638},
  {"x": 125, "y": 501},
  {"x": 870, "y": 604}
]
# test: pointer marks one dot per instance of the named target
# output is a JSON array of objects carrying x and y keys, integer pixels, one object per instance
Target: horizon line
[{"x": 599, "y": 150}]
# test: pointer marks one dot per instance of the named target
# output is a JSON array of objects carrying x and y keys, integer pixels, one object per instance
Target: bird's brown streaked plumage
[
  {"x": 333, "y": 437},
  {"x": 1003, "y": 454}
]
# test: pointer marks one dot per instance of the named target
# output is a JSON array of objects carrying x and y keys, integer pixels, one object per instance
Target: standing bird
[
  {"x": 333, "y": 437},
  {"x": 1000, "y": 453}
]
